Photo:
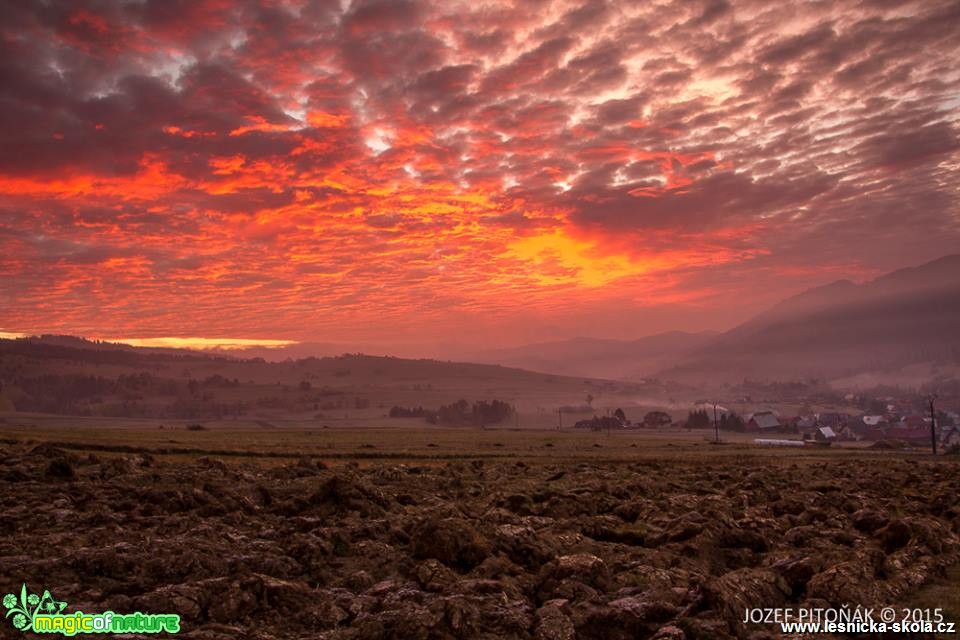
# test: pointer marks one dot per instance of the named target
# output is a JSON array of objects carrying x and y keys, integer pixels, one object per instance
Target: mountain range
[
  {"x": 600, "y": 358},
  {"x": 840, "y": 329}
]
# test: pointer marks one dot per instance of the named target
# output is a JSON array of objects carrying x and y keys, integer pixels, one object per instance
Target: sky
[{"x": 478, "y": 173}]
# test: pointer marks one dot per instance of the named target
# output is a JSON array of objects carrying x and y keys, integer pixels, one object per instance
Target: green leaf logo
[{"x": 27, "y": 606}]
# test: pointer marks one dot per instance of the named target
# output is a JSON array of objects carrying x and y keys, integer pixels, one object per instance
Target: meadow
[{"x": 396, "y": 439}]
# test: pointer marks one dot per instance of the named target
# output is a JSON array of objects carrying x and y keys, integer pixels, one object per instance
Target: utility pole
[
  {"x": 559, "y": 419},
  {"x": 716, "y": 425},
  {"x": 933, "y": 424}
]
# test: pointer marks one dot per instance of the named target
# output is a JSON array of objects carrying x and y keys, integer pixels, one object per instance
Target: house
[
  {"x": 847, "y": 433},
  {"x": 763, "y": 421},
  {"x": 915, "y": 422},
  {"x": 831, "y": 419},
  {"x": 910, "y": 430},
  {"x": 825, "y": 434},
  {"x": 820, "y": 434},
  {"x": 951, "y": 436},
  {"x": 868, "y": 427}
]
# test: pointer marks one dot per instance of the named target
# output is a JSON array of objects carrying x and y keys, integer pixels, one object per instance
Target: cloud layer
[{"x": 463, "y": 171}]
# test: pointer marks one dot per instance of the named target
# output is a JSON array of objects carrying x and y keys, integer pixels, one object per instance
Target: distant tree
[
  {"x": 493, "y": 412},
  {"x": 481, "y": 413},
  {"x": 732, "y": 422},
  {"x": 657, "y": 419},
  {"x": 599, "y": 423},
  {"x": 305, "y": 385},
  {"x": 453, "y": 414},
  {"x": 413, "y": 412},
  {"x": 217, "y": 380},
  {"x": 589, "y": 398},
  {"x": 620, "y": 415},
  {"x": 698, "y": 419}
]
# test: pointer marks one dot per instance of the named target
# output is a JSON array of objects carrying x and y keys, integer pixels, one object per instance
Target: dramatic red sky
[{"x": 463, "y": 172}]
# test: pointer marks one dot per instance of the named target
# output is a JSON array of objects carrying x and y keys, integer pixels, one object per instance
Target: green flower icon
[
  {"x": 49, "y": 605},
  {"x": 28, "y": 605}
]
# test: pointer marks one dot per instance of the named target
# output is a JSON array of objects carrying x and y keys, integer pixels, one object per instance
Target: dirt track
[{"x": 473, "y": 549}]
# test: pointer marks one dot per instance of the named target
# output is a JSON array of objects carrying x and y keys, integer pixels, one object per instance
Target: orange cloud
[
  {"x": 322, "y": 119},
  {"x": 348, "y": 171}
]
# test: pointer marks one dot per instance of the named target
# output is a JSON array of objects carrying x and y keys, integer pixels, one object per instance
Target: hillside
[
  {"x": 594, "y": 357},
  {"x": 842, "y": 329},
  {"x": 73, "y": 377}
]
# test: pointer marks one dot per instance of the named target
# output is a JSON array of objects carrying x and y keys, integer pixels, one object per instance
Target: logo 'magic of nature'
[{"x": 44, "y": 614}]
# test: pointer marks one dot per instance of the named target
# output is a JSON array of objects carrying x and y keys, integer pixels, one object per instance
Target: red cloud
[{"x": 327, "y": 171}]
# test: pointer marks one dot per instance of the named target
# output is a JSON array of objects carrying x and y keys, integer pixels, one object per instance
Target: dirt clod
[{"x": 482, "y": 549}]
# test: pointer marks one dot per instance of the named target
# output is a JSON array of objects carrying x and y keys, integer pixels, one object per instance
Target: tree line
[
  {"x": 461, "y": 413},
  {"x": 701, "y": 419}
]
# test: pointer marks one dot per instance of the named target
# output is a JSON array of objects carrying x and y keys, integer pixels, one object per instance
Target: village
[{"x": 895, "y": 423}]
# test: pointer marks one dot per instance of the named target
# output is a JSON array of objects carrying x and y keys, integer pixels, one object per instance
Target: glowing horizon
[
  {"x": 171, "y": 342},
  {"x": 201, "y": 344}
]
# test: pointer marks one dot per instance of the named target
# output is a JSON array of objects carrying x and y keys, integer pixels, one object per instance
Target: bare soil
[{"x": 478, "y": 548}]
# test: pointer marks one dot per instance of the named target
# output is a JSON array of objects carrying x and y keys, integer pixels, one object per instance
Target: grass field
[{"x": 400, "y": 439}]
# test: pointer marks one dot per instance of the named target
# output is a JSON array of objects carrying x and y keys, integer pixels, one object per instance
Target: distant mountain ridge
[
  {"x": 599, "y": 357},
  {"x": 838, "y": 329},
  {"x": 906, "y": 316}
]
